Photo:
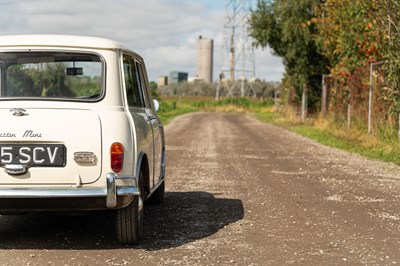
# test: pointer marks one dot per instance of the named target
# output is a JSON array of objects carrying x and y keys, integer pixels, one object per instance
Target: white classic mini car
[{"x": 78, "y": 130}]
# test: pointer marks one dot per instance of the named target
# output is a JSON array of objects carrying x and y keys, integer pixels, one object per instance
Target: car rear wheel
[{"x": 129, "y": 220}]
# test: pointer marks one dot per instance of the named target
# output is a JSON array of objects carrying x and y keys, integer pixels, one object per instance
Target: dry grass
[
  {"x": 230, "y": 109},
  {"x": 356, "y": 139}
]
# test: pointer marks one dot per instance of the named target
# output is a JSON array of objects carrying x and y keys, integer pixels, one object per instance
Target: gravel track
[{"x": 239, "y": 192}]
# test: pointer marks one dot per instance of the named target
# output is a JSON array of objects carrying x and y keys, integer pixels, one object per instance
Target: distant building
[
  {"x": 195, "y": 80},
  {"x": 176, "y": 77},
  {"x": 205, "y": 50},
  {"x": 162, "y": 81}
]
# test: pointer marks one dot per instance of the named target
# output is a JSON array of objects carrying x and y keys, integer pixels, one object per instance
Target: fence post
[
  {"x": 304, "y": 104},
  {"x": 324, "y": 96},
  {"x": 217, "y": 92},
  {"x": 349, "y": 111},
  {"x": 276, "y": 93},
  {"x": 371, "y": 80},
  {"x": 398, "y": 134},
  {"x": 370, "y": 99},
  {"x": 348, "y": 115}
]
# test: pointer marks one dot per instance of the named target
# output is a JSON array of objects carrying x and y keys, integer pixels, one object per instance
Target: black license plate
[{"x": 53, "y": 155}]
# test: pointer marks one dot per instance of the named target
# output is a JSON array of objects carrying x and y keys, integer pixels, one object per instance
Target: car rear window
[{"x": 55, "y": 75}]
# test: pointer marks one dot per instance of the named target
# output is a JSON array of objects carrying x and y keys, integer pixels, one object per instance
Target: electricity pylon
[{"x": 237, "y": 68}]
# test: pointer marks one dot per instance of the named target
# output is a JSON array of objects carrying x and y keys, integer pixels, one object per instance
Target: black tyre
[
  {"x": 158, "y": 196},
  {"x": 129, "y": 220}
]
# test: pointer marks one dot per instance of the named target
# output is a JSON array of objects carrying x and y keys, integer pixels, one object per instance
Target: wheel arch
[{"x": 143, "y": 165}]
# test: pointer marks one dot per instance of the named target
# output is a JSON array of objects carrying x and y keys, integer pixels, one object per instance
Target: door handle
[{"x": 150, "y": 118}]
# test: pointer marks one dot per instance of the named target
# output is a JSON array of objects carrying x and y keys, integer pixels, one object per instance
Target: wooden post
[
  {"x": 371, "y": 80},
  {"x": 324, "y": 96}
]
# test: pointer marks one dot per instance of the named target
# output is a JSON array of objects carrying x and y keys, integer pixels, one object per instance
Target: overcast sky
[{"x": 164, "y": 32}]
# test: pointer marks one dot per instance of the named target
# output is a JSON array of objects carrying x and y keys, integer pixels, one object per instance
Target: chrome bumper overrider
[
  {"x": 128, "y": 187},
  {"x": 113, "y": 190}
]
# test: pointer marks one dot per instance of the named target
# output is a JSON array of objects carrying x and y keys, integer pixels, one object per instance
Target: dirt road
[{"x": 239, "y": 192}]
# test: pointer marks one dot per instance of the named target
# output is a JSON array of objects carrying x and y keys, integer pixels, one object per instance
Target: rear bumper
[{"x": 112, "y": 195}]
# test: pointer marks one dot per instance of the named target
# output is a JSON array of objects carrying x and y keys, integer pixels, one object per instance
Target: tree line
[
  {"x": 261, "y": 90},
  {"x": 50, "y": 80},
  {"x": 335, "y": 38}
]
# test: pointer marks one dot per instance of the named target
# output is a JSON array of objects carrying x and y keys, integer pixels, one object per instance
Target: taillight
[{"x": 117, "y": 156}]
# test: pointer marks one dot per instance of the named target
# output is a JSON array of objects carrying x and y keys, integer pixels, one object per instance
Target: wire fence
[{"x": 362, "y": 99}]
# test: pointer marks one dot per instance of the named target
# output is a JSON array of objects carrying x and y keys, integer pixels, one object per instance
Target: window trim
[
  {"x": 95, "y": 100},
  {"x": 133, "y": 60}
]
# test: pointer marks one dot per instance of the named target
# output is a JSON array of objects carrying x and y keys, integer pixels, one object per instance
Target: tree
[
  {"x": 286, "y": 27},
  {"x": 387, "y": 13},
  {"x": 349, "y": 39},
  {"x": 348, "y": 34}
]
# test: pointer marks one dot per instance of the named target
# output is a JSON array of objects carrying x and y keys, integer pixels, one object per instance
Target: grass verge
[{"x": 382, "y": 145}]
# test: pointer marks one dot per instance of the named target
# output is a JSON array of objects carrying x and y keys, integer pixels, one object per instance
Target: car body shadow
[{"x": 183, "y": 218}]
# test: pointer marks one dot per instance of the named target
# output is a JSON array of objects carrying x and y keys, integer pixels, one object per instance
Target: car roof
[{"x": 59, "y": 41}]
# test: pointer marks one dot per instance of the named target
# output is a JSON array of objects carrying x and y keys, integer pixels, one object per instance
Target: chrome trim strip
[
  {"x": 51, "y": 192},
  {"x": 127, "y": 191},
  {"x": 111, "y": 192}
]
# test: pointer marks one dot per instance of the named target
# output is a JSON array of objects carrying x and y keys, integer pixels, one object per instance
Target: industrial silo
[{"x": 205, "y": 49}]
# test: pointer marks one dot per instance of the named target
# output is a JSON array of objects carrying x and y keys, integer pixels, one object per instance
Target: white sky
[{"x": 164, "y": 32}]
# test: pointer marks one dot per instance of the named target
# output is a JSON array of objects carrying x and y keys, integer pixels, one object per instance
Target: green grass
[
  {"x": 355, "y": 142},
  {"x": 383, "y": 145},
  {"x": 170, "y": 107},
  {"x": 174, "y": 106}
]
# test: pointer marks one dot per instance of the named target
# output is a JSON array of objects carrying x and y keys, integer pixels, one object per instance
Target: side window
[
  {"x": 143, "y": 84},
  {"x": 132, "y": 84}
]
